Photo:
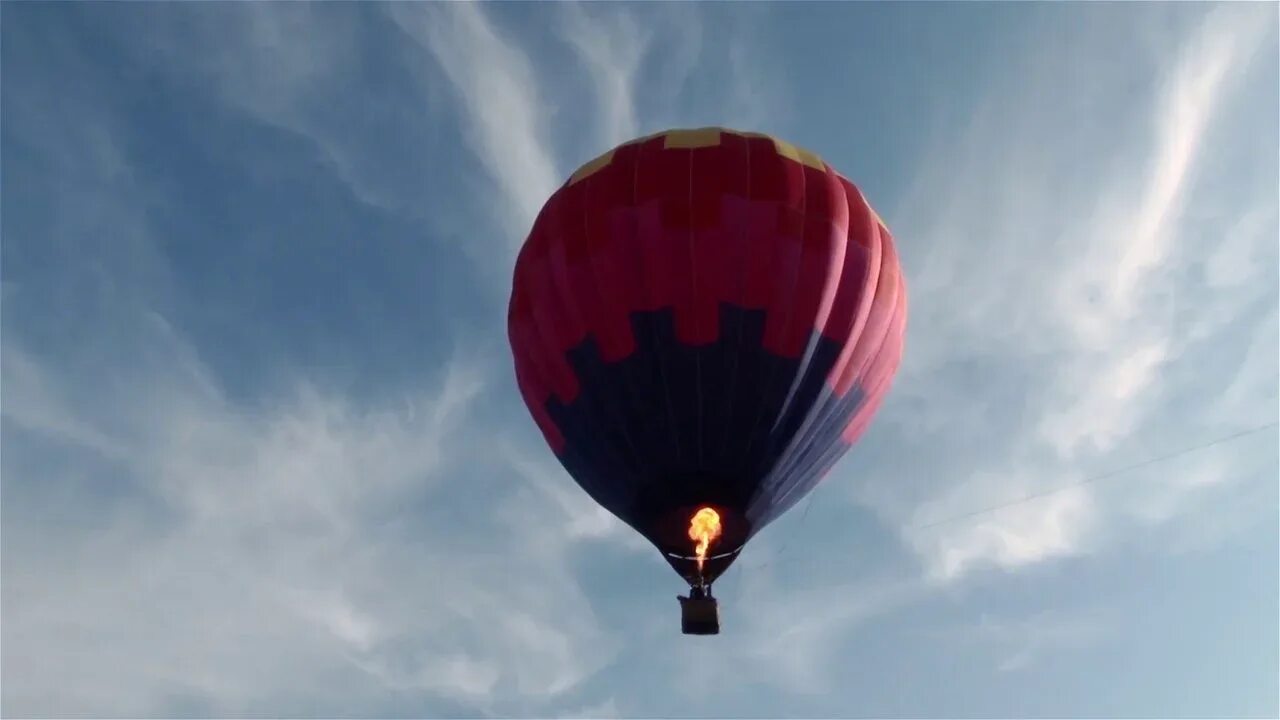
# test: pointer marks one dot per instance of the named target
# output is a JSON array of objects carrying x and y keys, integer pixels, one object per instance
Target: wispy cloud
[
  {"x": 1065, "y": 334},
  {"x": 226, "y": 520},
  {"x": 612, "y": 50},
  {"x": 1105, "y": 301},
  {"x": 793, "y": 635},
  {"x": 1050, "y": 527},
  {"x": 505, "y": 118},
  {"x": 1250, "y": 397},
  {"x": 171, "y": 549},
  {"x": 307, "y": 538},
  {"x": 579, "y": 515},
  {"x": 654, "y": 67},
  {"x": 284, "y": 66}
]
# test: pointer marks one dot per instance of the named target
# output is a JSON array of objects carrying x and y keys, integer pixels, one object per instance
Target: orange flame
[{"x": 704, "y": 528}]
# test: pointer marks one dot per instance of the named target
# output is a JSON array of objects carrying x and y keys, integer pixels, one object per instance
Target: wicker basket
[{"x": 699, "y": 615}]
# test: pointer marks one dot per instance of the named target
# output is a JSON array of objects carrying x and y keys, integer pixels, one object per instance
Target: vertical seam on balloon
[
  {"x": 528, "y": 352},
  {"x": 887, "y": 248},
  {"x": 609, "y": 409},
  {"x": 744, "y": 240},
  {"x": 875, "y": 396},
  {"x": 631, "y": 392},
  {"x": 866, "y": 395},
  {"x": 805, "y": 436},
  {"x": 883, "y": 384},
  {"x": 789, "y": 311},
  {"x": 664, "y": 351},
  {"x": 897, "y": 317},
  {"x": 886, "y": 254},
  {"x": 656, "y": 348},
  {"x": 822, "y": 416},
  {"x": 748, "y": 466},
  {"x": 629, "y": 243},
  {"x": 693, "y": 308},
  {"x": 600, "y": 451},
  {"x": 815, "y": 335},
  {"x": 544, "y": 337}
]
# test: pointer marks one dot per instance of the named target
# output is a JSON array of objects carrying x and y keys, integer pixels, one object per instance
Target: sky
[{"x": 263, "y": 453}]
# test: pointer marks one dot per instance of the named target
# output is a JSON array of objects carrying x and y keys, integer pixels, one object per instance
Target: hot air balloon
[{"x": 703, "y": 321}]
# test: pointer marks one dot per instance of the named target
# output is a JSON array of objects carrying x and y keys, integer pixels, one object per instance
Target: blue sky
[{"x": 263, "y": 452}]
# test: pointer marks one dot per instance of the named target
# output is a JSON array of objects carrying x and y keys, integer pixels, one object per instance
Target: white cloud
[
  {"x": 756, "y": 97},
  {"x": 505, "y": 119},
  {"x": 612, "y": 49},
  {"x": 281, "y": 65},
  {"x": 1053, "y": 325},
  {"x": 1250, "y": 398},
  {"x": 1106, "y": 301},
  {"x": 1238, "y": 261},
  {"x": 579, "y": 515},
  {"x": 27, "y": 388},
  {"x": 793, "y": 635},
  {"x": 652, "y": 69},
  {"x": 254, "y": 556},
  {"x": 172, "y": 550},
  {"x": 1025, "y": 533}
]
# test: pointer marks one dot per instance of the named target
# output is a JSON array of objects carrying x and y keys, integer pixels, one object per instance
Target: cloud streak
[
  {"x": 505, "y": 120},
  {"x": 312, "y": 533},
  {"x": 612, "y": 52},
  {"x": 176, "y": 550},
  {"x": 1062, "y": 334}
]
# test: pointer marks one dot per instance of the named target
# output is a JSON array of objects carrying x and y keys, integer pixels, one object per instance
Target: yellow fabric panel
[
  {"x": 791, "y": 152},
  {"x": 592, "y": 167},
  {"x": 701, "y": 137}
]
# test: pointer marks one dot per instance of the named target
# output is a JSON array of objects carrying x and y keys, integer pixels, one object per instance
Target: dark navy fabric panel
[
  {"x": 816, "y": 447},
  {"x": 727, "y": 423}
]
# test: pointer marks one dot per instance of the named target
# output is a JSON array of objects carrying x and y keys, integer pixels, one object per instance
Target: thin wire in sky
[
  {"x": 1102, "y": 476},
  {"x": 1110, "y": 474}
]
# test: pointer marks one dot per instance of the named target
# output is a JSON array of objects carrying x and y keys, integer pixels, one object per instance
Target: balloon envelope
[{"x": 705, "y": 318}]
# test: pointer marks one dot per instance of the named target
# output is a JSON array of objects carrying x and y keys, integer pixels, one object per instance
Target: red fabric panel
[
  {"x": 610, "y": 241},
  {"x": 880, "y": 377},
  {"x": 859, "y": 280},
  {"x": 878, "y": 320}
]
